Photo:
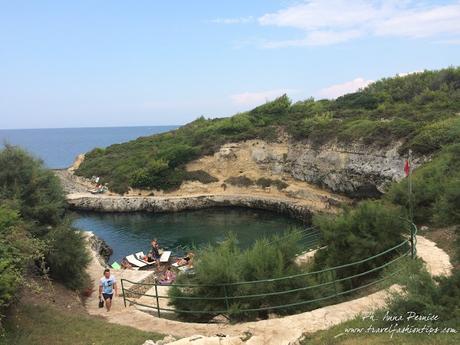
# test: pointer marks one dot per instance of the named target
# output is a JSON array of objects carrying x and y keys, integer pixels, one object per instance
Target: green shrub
[
  {"x": 424, "y": 296},
  {"x": 200, "y": 176},
  {"x": 356, "y": 234},
  {"x": 435, "y": 188},
  {"x": 67, "y": 256},
  {"x": 17, "y": 249},
  {"x": 267, "y": 182},
  {"x": 36, "y": 189},
  {"x": 240, "y": 181},
  {"x": 226, "y": 263},
  {"x": 433, "y": 136}
]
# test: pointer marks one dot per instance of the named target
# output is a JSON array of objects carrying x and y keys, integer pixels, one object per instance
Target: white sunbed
[
  {"x": 137, "y": 260},
  {"x": 134, "y": 261},
  {"x": 165, "y": 256},
  {"x": 140, "y": 256}
]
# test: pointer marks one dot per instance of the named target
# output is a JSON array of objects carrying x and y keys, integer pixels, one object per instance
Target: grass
[
  {"x": 45, "y": 325},
  {"x": 338, "y": 335}
]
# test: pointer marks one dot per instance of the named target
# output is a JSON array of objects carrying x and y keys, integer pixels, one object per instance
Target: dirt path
[{"x": 278, "y": 331}]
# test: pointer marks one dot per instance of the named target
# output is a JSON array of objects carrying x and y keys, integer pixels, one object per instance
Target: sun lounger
[
  {"x": 134, "y": 261},
  {"x": 140, "y": 256},
  {"x": 165, "y": 256}
]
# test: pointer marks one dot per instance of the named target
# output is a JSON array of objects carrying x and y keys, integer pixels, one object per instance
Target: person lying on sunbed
[
  {"x": 168, "y": 277},
  {"x": 185, "y": 261}
]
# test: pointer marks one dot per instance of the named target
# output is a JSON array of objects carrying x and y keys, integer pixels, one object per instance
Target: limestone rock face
[{"x": 355, "y": 170}]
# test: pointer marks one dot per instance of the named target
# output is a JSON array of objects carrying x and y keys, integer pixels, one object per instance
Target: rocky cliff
[{"x": 354, "y": 170}]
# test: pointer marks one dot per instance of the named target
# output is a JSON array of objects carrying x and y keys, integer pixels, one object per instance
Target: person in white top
[{"x": 107, "y": 288}]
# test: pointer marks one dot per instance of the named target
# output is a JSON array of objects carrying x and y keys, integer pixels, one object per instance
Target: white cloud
[
  {"x": 425, "y": 22},
  {"x": 240, "y": 20},
  {"x": 335, "y": 21},
  {"x": 316, "y": 14},
  {"x": 315, "y": 38},
  {"x": 338, "y": 90},
  {"x": 259, "y": 97}
]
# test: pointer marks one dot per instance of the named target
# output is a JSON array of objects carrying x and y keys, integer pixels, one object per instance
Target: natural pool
[{"x": 127, "y": 233}]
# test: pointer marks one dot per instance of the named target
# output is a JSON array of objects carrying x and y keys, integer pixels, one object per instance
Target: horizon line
[{"x": 86, "y": 127}]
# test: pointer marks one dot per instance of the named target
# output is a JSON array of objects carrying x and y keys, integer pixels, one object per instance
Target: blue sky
[{"x": 129, "y": 63}]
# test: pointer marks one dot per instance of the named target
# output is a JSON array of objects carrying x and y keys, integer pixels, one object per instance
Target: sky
[{"x": 133, "y": 63}]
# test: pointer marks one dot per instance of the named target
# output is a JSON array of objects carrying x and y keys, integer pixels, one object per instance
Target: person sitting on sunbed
[
  {"x": 154, "y": 253},
  {"x": 168, "y": 277}
]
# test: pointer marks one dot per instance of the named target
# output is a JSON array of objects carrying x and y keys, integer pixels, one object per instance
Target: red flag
[{"x": 407, "y": 168}]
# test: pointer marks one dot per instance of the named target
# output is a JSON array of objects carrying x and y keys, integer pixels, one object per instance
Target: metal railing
[{"x": 404, "y": 249}]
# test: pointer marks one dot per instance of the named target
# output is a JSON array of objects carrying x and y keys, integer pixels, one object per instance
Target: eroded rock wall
[
  {"x": 175, "y": 204},
  {"x": 355, "y": 170}
]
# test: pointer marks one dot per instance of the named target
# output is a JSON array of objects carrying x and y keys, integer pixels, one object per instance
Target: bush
[
  {"x": 200, "y": 176},
  {"x": 266, "y": 182},
  {"x": 67, "y": 256},
  {"x": 436, "y": 189},
  {"x": 37, "y": 190},
  {"x": 226, "y": 263},
  {"x": 32, "y": 226},
  {"x": 17, "y": 249},
  {"x": 426, "y": 296},
  {"x": 433, "y": 136},
  {"x": 240, "y": 181},
  {"x": 372, "y": 227}
]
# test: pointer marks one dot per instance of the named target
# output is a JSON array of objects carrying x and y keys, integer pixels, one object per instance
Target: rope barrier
[{"x": 411, "y": 251}]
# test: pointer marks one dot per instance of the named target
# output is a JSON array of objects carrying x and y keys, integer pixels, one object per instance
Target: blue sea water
[{"x": 58, "y": 147}]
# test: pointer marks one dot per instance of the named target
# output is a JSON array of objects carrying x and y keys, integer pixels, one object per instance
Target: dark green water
[{"x": 127, "y": 233}]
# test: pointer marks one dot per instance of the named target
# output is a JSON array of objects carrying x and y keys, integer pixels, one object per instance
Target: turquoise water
[
  {"x": 130, "y": 233},
  {"x": 58, "y": 147}
]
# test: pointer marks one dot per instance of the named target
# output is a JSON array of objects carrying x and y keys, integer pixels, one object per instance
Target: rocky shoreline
[
  {"x": 107, "y": 203},
  {"x": 101, "y": 249}
]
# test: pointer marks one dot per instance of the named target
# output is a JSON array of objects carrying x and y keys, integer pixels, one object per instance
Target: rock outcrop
[
  {"x": 354, "y": 170},
  {"x": 101, "y": 248},
  {"x": 154, "y": 204}
]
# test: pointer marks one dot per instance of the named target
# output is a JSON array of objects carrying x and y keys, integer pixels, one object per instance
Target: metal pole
[
  {"x": 158, "y": 303},
  {"x": 411, "y": 210},
  {"x": 123, "y": 292},
  {"x": 411, "y": 207},
  {"x": 333, "y": 279},
  {"x": 226, "y": 298}
]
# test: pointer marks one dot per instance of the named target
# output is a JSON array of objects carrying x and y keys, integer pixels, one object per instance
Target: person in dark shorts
[
  {"x": 107, "y": 288},
  {"x": 154, "y": 253}
]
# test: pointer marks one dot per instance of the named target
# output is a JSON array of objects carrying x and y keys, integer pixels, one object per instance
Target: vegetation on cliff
[
  {"x": 421, "y": 110},
  {"x": 34, "y": 235}
]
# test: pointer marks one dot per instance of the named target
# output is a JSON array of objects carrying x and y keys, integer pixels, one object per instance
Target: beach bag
[{"x": 101, "y": 303}]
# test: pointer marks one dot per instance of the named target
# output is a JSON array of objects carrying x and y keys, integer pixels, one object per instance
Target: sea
[{"x": 58, "y": 147}]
